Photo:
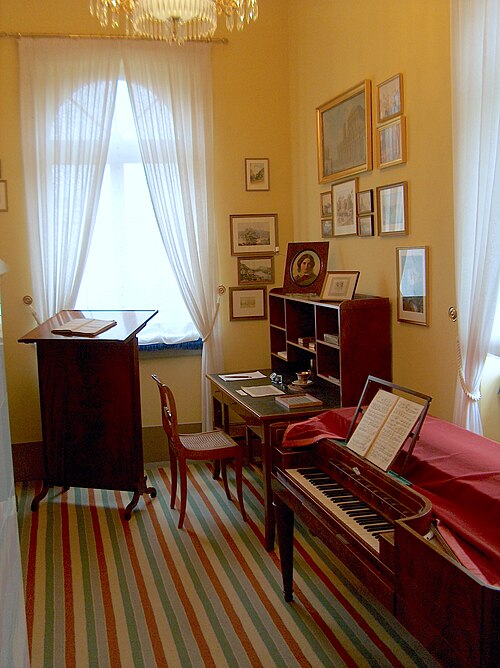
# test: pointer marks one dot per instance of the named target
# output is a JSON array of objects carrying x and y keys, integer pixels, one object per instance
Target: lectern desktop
[{"x": 90, "y": 405}]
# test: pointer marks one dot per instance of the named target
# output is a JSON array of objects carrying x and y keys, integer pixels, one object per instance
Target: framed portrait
[
  {"x": 339, "y": 285},
  {"x": 392, "y": 209},
  {"x": 412, "y": 284},
  {"x": 344, "y": 207},
  {"x": 3, "y": 196},
  {"x": 253, "y": 234},
  {"x": 254, "y": 270},
  {"x": 326, "y": 203},
  {"x": 305, "y": 268},
  {"x": 364, "y": 201},
  {"x": 390, "y": 98},
  {"x": 391, "y": 143},
  {"x": 257, "y": 173},
  {"x": 365, "y": 225},
  {"x": 247, "y": 303},
  {"x": 344, "y": 131},
  {"x": 326, "y": 228}
]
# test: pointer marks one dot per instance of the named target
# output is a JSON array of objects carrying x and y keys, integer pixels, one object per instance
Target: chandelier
[{"x": 174, "y": 21}]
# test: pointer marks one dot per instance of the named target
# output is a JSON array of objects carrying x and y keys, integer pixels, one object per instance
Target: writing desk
[
  {"x": 90, "y": 405},
  {"x": 258, "y": 413}
]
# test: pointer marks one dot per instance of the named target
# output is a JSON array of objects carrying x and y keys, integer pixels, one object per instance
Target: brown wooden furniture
[
  {"x": 208, "y": 445},
  {"x": 258, "y": 413},
  {"x": 90, "y": 405},
  {"x": 352, "y": 340}
]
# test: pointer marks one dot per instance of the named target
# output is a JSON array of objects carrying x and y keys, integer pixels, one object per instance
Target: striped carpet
[{"x": 104, "y": 592}]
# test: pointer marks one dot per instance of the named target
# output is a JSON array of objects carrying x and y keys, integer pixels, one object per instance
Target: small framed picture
[
  {"x": 253, "y": 234},
  {"x": 339, "y": 285},
  {"x": 257, "y": 173},
  {"x": 365, "y": 201},
  {"x": 390, "y": 98},
  {"x": 392, "y": 209},
  {"x": 3, "y": 196},
  {"x": 365, "y": 225},
  {"x": 344, "y": 207},
  {"x": 305, "y": 267},
  {"x": 412, "y": 284},
  {"x": 326, "y": 203},
  {"x": 247, "y": 303},
  {"x": 254, "y": 270},
  {"x": 326, "y": 228},
  {"x": 391, "y": 143}
]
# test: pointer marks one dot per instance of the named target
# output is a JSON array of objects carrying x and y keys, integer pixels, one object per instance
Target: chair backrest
[{"x": 168, "y": 413}]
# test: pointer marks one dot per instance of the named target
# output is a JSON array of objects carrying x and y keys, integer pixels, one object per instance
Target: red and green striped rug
[{"x": 104, "y": 592}]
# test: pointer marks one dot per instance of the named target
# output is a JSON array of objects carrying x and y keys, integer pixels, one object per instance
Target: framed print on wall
[
  {"x": 339, "y": 285},
  {"x": 3, "y": 196},
  {"x": 247, "y": 303},
  {"x": 326, "y": 228},
  {"x": 390, "y": 98},
  {"x": 254, "y": 270},
  {"x": 344, "y": 207},
  {"x": 364, "y": 201},
  {"x": 326, "y": 203},
  {"x": 253, "y": 234},
  {"x": 344, "y": 131},
  {"x": 305, "y": 267},
  {"x": 392, "y": 209},
  {"x": 391, "y": 143},
  {"x": 412, "y": 284},
  {"x": 365, "y": 225},
  {"x": 257, "y": 173}
]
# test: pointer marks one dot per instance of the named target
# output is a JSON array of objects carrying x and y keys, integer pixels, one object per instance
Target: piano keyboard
[{"x": 345, "y": 506}]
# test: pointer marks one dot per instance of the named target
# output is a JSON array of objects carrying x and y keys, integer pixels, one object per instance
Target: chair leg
[
  {"x": 238, "y": 467},
  {"x": 224, "y": 477},
  {"x": 173, "y": 476},
  {"x": 183, "y": 477}
]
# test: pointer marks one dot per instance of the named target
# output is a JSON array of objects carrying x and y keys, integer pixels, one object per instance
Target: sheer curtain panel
[{"x": 476, "y": 146}]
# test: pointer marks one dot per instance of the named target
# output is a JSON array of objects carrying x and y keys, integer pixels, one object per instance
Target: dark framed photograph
[
  {"x": 365, "y": 225},
  {"x": 344, "y": 131},
  {"x": 247, "y": 303},
  {"x": 339, "y": 285},
  {"x": 254, "y": 270},
  {"x": 392, "y": 209},
  {"x": 391, "y": 143},
  {"x": 257, "y": 173},
  {"x": 344, "y": 207},
  {"x": 412, "y": 284},
  {"x": 365, "y": 201},
  {"x": 390, "y": 98},
  {"x": 305, "y": 267},
  {"x": 253, "y": 234},
  {"x": 326, "y": 228}
]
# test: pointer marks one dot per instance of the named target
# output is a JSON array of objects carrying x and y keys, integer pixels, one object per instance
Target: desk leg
[
  {"x": 269, "y": 522},
  {"x": 285, "y": 521}
]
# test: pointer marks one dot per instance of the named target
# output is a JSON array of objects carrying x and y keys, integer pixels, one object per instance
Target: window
[{"x": 127, "y": 266}]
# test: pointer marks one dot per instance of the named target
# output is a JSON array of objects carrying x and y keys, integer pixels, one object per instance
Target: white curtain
[
  {"x": 475, "y": 26},
  {"x": 68, "y": 90},
  {"x": 171, "y": 94}
]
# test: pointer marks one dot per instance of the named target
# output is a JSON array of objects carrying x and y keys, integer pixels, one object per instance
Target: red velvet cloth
[{"x": 458, "y": 471}]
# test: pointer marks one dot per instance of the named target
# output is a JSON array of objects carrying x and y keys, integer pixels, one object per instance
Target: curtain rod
[{"x": 18, "y": 35}]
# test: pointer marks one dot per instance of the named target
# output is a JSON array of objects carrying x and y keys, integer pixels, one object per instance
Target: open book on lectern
[{"x": 385, "y": 426}]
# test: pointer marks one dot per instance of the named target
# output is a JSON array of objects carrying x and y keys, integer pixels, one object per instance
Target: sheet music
[{"x": 371, "y": 422}]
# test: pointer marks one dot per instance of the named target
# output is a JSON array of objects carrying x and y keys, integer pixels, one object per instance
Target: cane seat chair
[{"x": 210, "y": 445}]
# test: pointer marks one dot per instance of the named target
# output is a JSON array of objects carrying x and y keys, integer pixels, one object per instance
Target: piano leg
[{"x": 284, "y": 526}]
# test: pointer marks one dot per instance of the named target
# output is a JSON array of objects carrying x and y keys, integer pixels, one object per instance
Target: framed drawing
[
  {"x": 247, "y": 303},
  {"x": 3, "y": 196},
  {"x": 326, "y": 228},
  {"x": 305, "y": 267},
  {"x": 344, "y": 131},
  {"x": 344, "y": 207},
  {"x": 326, "y": 203},
  {"x": 412, "y": 284},
  {"x": 392, "y": 209},
  {"x": 365, "y": 225},
  {"x": 364, "y": 201},
  {"x": 254, "y": 270},
  {"x": 390, "y": 98},
  {"x": 253, "y": 234},
  {"x": 391, "y": 143},
  {"x": 257, "y": 173},
  {"x": 339, "y": 285}
]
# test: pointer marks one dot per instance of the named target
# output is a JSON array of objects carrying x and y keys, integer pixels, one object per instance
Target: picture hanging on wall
[
  {"x": 253, "y": 234},
  {"x": 391, "y": 143},
  {"x": 254, "y": 270},
  {"x": 412, "y": 288},
  {"x": 392, "y": 209},
  {"x": 390, "y": 98},
  {"x": 344, "y": 208},
  {"x": 257, "y": 173},
  {"x": 247, "y": 303}
]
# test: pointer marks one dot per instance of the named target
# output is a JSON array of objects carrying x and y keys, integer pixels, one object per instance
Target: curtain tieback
[
  {"x": 473, "y": 396},
  {"x": 213, "y": 321}
]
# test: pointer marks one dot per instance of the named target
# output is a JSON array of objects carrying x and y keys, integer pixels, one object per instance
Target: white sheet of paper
[
  {"x": 262, "y": 390},
  {"x": 251, "y": 375}
]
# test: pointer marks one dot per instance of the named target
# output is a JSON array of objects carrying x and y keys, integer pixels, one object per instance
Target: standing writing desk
[
  {"x": 258, "y": 413},
  {"x": 90, "y": 405}
]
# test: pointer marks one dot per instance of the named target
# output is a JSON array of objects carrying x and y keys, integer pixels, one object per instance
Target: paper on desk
[
  {"x": 251, "y": 375},
  {"x": 263, "y": 390}
]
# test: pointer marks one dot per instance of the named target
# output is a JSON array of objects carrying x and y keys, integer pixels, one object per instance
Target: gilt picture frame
[
  {"x": 392, "y": 209},
  {"x": 253, "y": 234},
  {"x": 254, "y": 270},
  {"x": 391, "y": 143},
  {"x": 344, "y": 207},
  {"x": 390, "y": 98},
  {"x": 257, "y": 173}
]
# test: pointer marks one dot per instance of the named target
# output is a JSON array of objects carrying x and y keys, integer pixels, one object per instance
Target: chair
[{"x": 209, "y": 445}]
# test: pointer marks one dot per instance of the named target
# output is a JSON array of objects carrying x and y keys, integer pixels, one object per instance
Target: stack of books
[
  {"x": 305, "y": 340},
  {"x": 298, "y": 401}
]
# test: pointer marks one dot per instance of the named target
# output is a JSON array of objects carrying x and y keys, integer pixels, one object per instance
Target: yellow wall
[{"x": 268, "y": 80}]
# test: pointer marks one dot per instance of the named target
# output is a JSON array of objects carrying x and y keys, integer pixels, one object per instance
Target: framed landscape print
[
  {"x": 412, "y": 284},
  {"x": 326, "y": 203},
  {"x": 392, "y": 209},
  {"x": 344, "y": 131},
  {"x": 391, "y": 143},
  {"x": 344, "y": 208},
  {"x": 390, "y": 98},
  {"x": 253, "y": 234},
  {"x": 254, "y": 270},
  {"x": 257, "y": 173},
  {"x": 247, "y": 303}
]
